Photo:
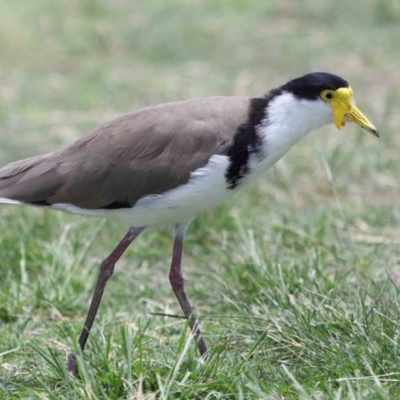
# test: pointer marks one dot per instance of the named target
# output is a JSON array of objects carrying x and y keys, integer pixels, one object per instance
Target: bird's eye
[{"x": 328, "y": 95}]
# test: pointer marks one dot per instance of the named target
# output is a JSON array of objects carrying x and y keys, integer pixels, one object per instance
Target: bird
[{"x": 162, "y": 165}]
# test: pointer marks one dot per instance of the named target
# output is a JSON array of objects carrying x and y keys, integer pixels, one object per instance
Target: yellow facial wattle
[{"x": 343, "y": 108}]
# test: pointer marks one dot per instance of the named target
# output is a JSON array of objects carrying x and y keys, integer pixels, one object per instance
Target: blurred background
[
  {"x": 327, "y": 213},
  {"x": 67, "y": 66}
]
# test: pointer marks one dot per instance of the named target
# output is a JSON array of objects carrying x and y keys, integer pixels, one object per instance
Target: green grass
[{"x": 296, "y": 279}]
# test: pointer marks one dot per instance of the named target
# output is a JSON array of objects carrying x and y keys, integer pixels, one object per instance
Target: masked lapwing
[{"x": 162, "y": 165}]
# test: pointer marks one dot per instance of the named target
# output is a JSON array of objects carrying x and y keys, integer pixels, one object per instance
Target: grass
[{"x": 296, "y": 279}]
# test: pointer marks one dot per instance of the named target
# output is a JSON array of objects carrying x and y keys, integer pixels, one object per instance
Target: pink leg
[
  {"x": 177, "y": 283},
  {"x": 106, "y": 270}
]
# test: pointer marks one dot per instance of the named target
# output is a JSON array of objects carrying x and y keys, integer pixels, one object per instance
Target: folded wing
[{"x": 146, "y": 152}]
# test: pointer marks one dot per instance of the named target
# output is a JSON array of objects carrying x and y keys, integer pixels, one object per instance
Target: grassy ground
[{"x": 296, "y": 279}]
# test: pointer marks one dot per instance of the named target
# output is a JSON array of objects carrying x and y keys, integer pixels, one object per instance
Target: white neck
[{"x": 287, "y": 121}]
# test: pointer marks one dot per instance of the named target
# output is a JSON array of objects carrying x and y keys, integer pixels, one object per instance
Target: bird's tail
[
  {"x": 27, "y": 181},
  {"x": 4, "y": 200}
]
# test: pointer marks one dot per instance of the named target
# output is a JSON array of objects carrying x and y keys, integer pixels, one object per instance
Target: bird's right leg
[{"x": 105, "y": 272}]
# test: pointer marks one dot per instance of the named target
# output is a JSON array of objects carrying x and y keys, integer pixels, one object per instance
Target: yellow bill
[{"x": 344, "y": 109}]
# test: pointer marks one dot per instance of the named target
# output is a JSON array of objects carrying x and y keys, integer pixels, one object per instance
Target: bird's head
[{"x": 333, "y": 94}]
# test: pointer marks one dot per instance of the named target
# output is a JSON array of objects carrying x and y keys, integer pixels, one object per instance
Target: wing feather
[{"x": 146, "y": 152}]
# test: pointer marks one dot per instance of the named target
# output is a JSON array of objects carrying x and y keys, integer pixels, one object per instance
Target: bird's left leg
[{"x": 177, "y": 283}]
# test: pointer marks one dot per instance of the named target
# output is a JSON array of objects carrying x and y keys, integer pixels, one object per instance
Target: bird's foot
[{"x": 72, "y": 366}]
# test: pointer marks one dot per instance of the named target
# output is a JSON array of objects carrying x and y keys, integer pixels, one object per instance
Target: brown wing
[{"x": 145, "y": 152}]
